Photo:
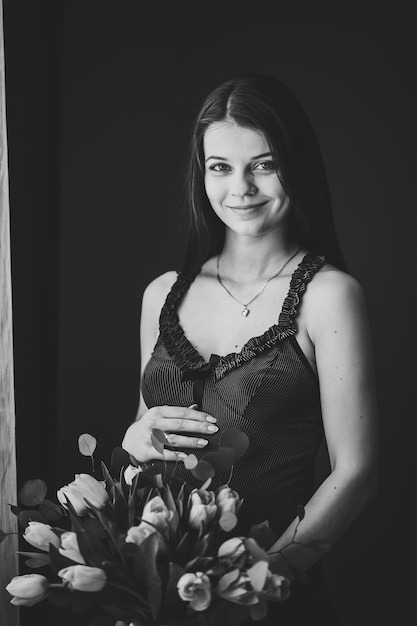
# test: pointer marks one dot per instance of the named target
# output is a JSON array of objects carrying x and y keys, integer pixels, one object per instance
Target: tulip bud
[
  {"x": 227, "y": 500},
  {"x": 156, "y": 512},
  {"x": 238, "y": 590},
  {"x": 203, "y": 508},
  {"x": 84, "y": 487},
  {"x": 28, "y": 589},
  {"x": 137, "y": 534},
  {"x": 40, "y": 535},
  {"x": 232, "y": 548},
  {"x": 69, "y": 547},
  {"x": 194, "y": 587},
  {"x": 83, "y": 577},
  {"x": 130, "y": 472}
]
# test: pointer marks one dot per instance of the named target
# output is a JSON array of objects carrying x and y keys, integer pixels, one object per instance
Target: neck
[{"x": 248, "y": 259}]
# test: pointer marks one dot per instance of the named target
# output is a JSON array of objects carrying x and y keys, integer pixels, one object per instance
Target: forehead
[{"x": 228, "y": 138}]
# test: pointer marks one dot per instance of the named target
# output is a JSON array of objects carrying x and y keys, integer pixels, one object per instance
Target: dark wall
[{"x": 100, "y": 98}]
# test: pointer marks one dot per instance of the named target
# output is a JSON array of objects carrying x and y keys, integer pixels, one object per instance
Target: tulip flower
[
  {"x": 203, "y": 508},
  {"x": 238, "y": 590},
  {"x": 84, "y": 487},
  {"x": 194, "y": 587},
  {"x": 232, "y": 548},
  {"x": 276, "y": 587},
  {"x": 157, "y": 513},
  {"x": 28, "y": 589},
  {"x": 227, "y": 500},
  {"x": 130, "y": 472},
  {"x": 83, "y": 577},
  {"x": 69, "y": 547},
  {"x": 40, "y": 535},
  {"x": 137, "y": 534}
]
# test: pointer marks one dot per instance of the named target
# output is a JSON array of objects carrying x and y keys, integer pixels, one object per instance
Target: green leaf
[
  {"x": 57, "y": 560},
  {"x": 33, "y": 492},
  {"x": 36, "y": 559},
  {"x": 257, "y": 574},
  {"x": 235, "y": 439},
  {"x": 3, "y": 535},
  {"x": 50, "y": 510},
  {"x": 259, "y": 611},
  {"x": 203, "y": 470},
  {"x": 119, "y": 458},
  {"x": 60, "y": 596},
  {"x": 15, "y": 509},
  {"x": 228, "y": 521},
  {"x": 87, "y": 444},
  {"x": 150, "y": 548}
]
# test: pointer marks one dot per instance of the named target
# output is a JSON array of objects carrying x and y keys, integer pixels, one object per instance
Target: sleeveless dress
[{"x": 268, "y": 390}]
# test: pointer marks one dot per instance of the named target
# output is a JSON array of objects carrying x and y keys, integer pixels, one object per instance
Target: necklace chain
[{"x": 245, "y": 311}]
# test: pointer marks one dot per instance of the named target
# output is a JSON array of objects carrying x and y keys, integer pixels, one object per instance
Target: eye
[
  {"x": 219, "y": 167},
  {"x": 265, "y": 166}
]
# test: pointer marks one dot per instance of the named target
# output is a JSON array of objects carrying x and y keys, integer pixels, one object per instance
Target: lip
[{"x": 245, "y": 207}]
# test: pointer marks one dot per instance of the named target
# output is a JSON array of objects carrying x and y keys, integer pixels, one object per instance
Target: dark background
[{"x": 100, "y": 100}]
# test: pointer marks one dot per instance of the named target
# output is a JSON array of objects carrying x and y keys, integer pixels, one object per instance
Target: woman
[{"x": 264, "y": 330}]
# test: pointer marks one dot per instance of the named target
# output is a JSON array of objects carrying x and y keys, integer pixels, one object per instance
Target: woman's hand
[{"x": 173, "y": 421}]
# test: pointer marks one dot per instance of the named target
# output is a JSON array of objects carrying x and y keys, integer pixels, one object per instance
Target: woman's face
[{"x": 241, "y": 180}]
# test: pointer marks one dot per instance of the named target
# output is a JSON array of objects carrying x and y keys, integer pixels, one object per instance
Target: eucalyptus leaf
[
  {"x": 221, "y": 459},
  {"x": 87, "y": 444},
  {"x": 236, "y": 439},
  {"x": 27, "y": 516},
  {"x": 263, "y": 534},
  {"x": 190, "y": 462},
  {"x": 156, "y": 442},
  {"x": 33, "y": 492},
  {"x": 256, "y": 551},
  {"x": 228, "y": 521},
  {"x": 203, "y": 470},
  {"x": 50, "y": 510}
]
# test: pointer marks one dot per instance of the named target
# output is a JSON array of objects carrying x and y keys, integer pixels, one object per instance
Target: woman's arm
[
  {"x": 337, "y": 324},
  {"x": 172, "y": 420}
]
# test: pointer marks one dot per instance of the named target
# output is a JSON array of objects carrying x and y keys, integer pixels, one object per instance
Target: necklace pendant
[{"x": 245, "y": 312}]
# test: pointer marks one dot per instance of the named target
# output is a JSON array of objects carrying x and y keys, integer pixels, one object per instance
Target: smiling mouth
[{"x": 245, "y": 207}]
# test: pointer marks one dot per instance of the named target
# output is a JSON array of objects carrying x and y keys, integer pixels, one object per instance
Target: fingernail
[
  {"x": 181, "y": 455},
  {"x": 202, "y": 442},
  {"x": 209, "y": 418},
  {"x": 212, "y": 429},
  {"x": 193, "y": 406}
]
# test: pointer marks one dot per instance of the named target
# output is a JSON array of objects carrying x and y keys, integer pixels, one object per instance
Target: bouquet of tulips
[{"x": 139, "y": 546}]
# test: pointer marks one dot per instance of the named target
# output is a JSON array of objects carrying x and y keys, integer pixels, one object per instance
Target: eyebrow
[{"x": 258, "y": 156}]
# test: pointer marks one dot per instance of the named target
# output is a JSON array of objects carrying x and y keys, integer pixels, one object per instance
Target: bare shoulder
[
  {"x": 334, "y": 295},
  {"x": 157, "y": 290}
]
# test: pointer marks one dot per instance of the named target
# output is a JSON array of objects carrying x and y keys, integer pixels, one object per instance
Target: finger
[
  {"x": 180, "y": 441},
  {"x": 186, "y": 412},
  {"x": 188, "y": 426}
]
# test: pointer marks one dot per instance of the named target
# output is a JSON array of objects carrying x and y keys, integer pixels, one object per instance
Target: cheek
[{"x": 213, "y": 190}]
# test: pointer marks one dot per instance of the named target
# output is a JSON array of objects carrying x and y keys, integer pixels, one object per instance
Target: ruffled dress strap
[{"x": 188, "y": 359}]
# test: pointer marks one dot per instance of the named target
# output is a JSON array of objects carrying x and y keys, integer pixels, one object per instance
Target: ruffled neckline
[{"x": 190, "y": 361}]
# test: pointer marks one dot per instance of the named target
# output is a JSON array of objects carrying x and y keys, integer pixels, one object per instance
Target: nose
[{"x": 242, "y": 185}]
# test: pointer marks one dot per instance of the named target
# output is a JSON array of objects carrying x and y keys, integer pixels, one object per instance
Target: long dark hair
[{"x": 265, "y": 104}]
